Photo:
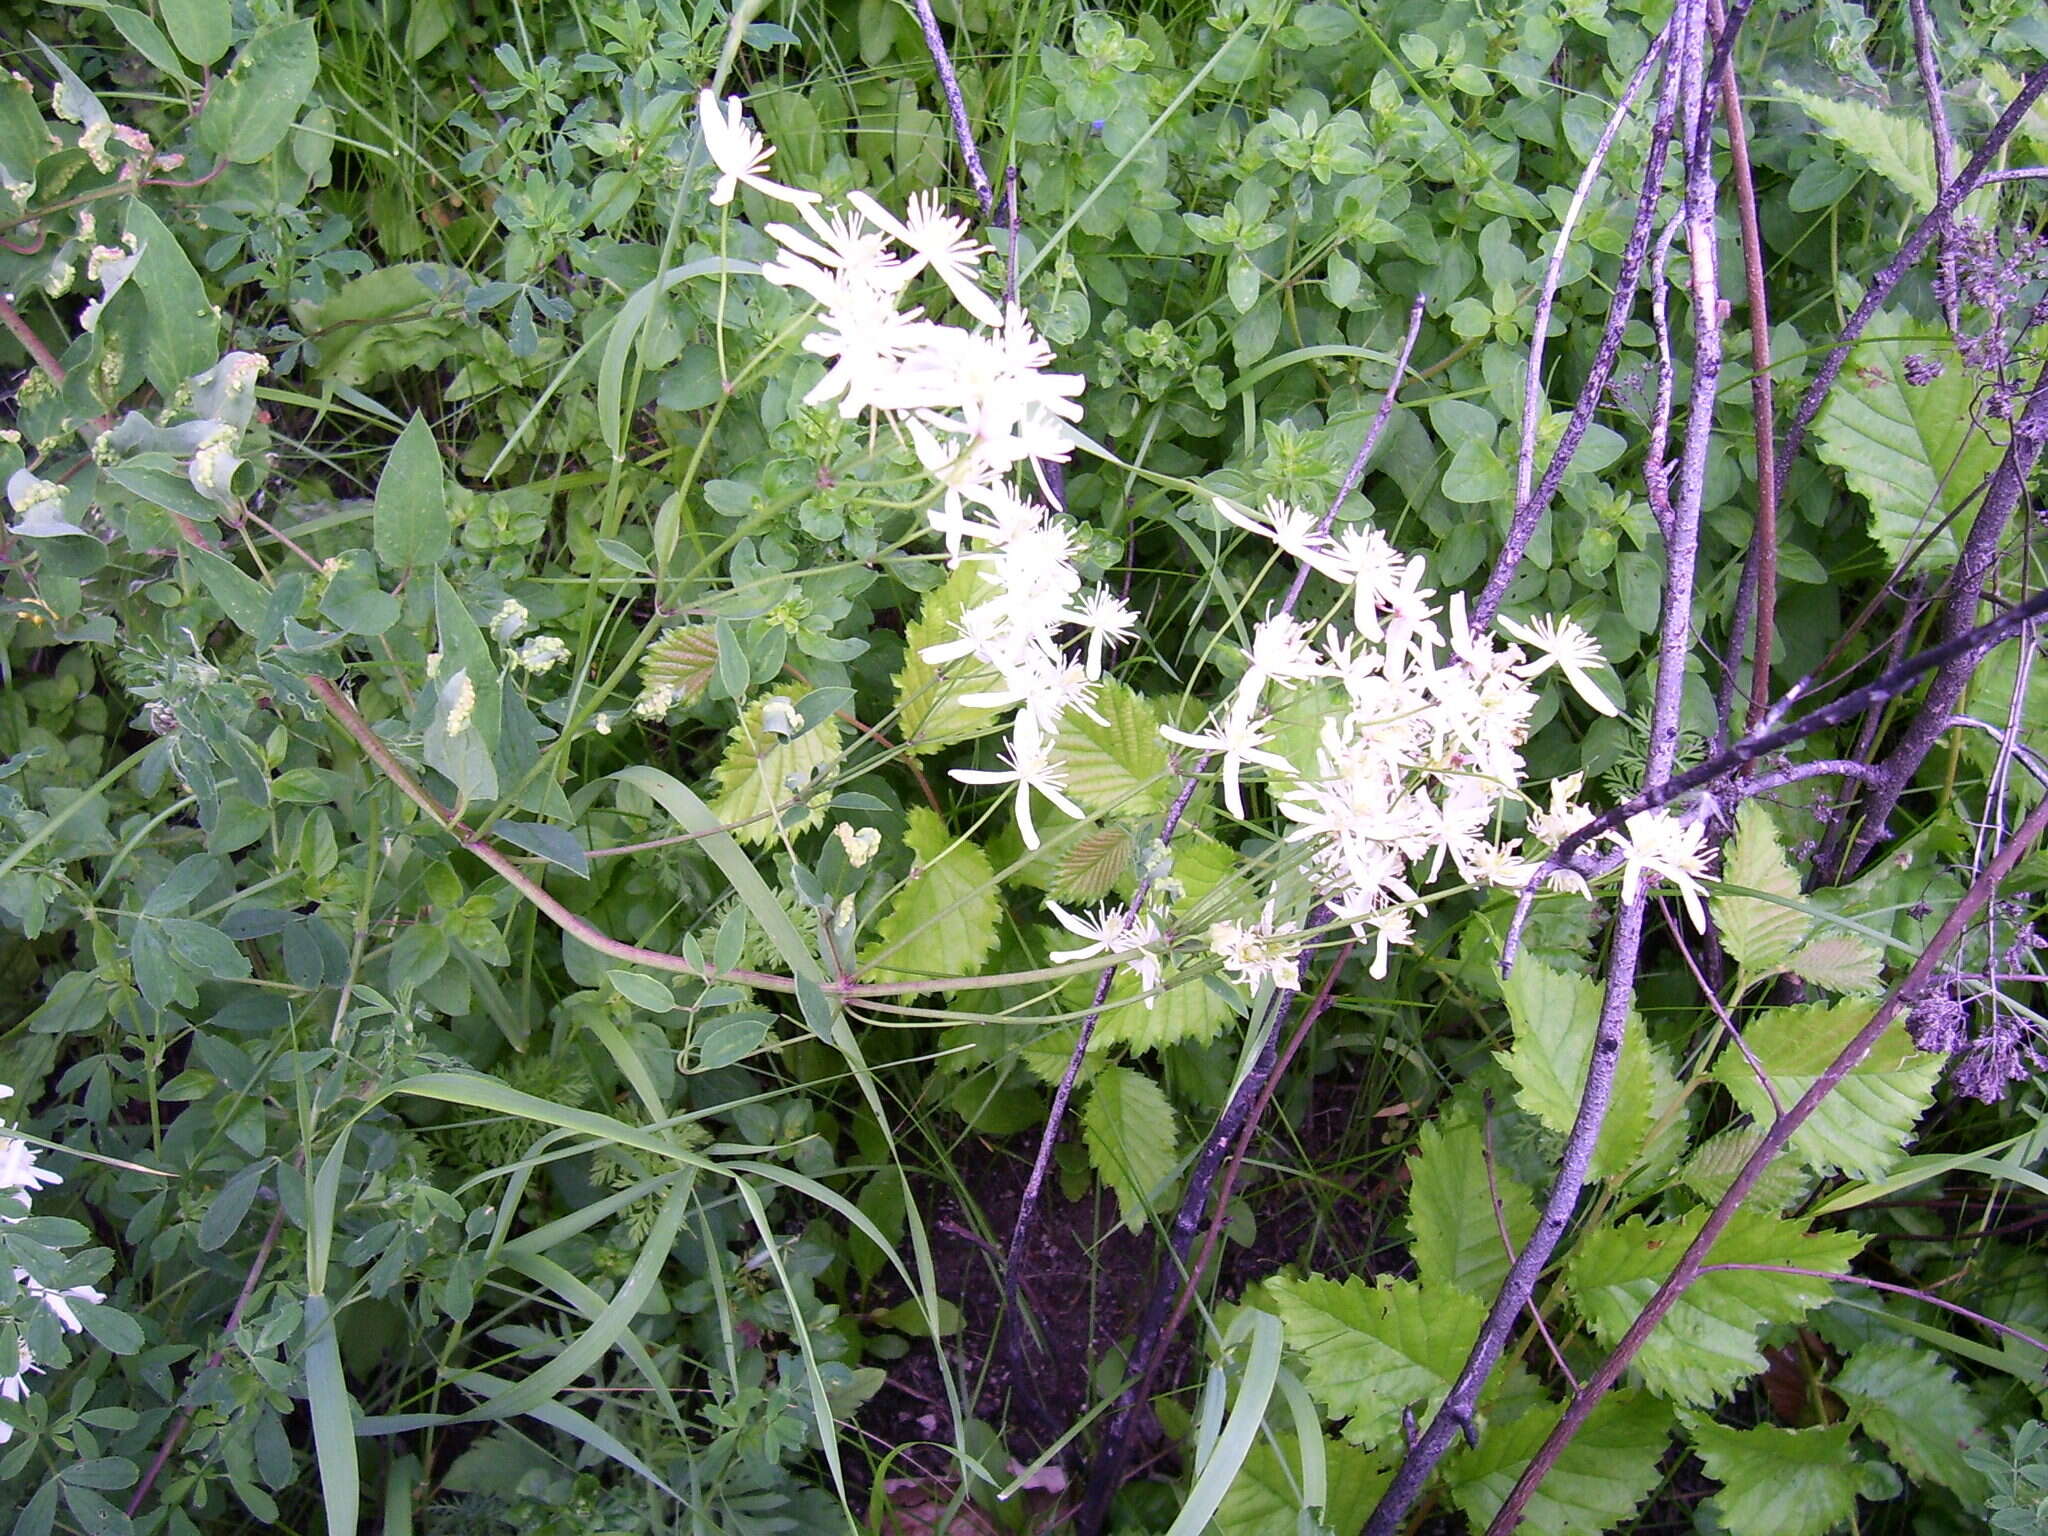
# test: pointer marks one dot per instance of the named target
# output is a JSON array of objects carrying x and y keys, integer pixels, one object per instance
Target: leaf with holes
[
  {"x": 1914, "y": 453},
  {"x": 1117, "y": 767},
  {"x": 1133, "y": 1143},
  {"x": 1369, "y": 1351},
  {"x": 1605, "y": 1473},
  {"x": 942, "y": 923},
  {"x": 1864, "y": 1126},
  {"x": 1706, "y": 1345}
]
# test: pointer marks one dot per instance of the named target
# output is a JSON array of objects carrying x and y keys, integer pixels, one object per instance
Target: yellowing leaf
[
  {"x": 1863, "y": 1127},
  {"x": 1131, "y": 1137},
  {"x": 764, "y": 773},
  {"x": 942, "y": 923}
]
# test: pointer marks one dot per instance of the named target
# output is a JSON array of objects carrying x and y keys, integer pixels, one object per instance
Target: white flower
[
  {"x": 1031, "y": 768},
  {"x": 59, "y": 1301},
  {"x": 1112, "y": 932},
  {"x": 1292, "y": 530},
  {"x": 1105, "y": 617},
  {"x": 543, "y": 653},
  {"x": 941, "y": 242},
  {"x": 1659, "y": 845},
  {"x": 740, "y": 153},
  {"x": 1565, "y": 644},
  {"x": 1241, "y": 740},
  {"x": 1565, "y": 815},
  {"x": 1265, "y": 950},
  {"x": 18, "y": 1168}
]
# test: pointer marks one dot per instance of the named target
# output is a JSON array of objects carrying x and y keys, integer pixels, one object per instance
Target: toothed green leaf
[
  {"x": 1132, "y": 1140},
  {"x": 942, "y": 923},
  {"x": 1602, "y": 1478},
  {"x": 1369, "y": 1351}
]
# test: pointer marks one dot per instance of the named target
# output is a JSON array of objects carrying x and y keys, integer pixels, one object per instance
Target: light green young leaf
[
  {"x": 1186, "y": 1008},
  {"x": 1371, "y": 1350},
  {"x": 1602, "y": 1478},
  {"x": 1863, "y": 1127},
  {"x": 1914, "y": 453},
  {"x": 1267, "y": 1494},
  {"x": 927, "y": 695},
  {"x": 1555, "y": 1016},
  {"x": 1133, "y": 1142},
  {"x": 1705, "y": 1346},
  {"x": 1783, "y": 1482},
  {"x": 1898, "y": 147},
  {"x": 943, "y": 921},
  {"x": 1840, "y": 962},
  {"x": 1456, "y": 1215},
  {"x": 410, "y": 525},
  {"x": 1117, "y": 768},
  {"x": 1760, "y": 935},
  {"x": 1910, "y": 1402},
  {"x": 764, "y": 770}
]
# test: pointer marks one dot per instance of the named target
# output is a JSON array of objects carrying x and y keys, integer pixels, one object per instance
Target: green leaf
[
  {"x": 332, "y": 1411},
  {"x": 223, "y": 1218},
  {"x": 560, "y": 846},
  {"x": 927, "y": 695},
  {"x": 411, "y": 525},
  {"x": 1910, "y": 1402},
  {"x": 683, "y": 660},
  {"x": 244, "y": 599},
  {"x": 942, "y": 923},
  {"x": 204, "y": 948},
  {"x": 1267, "y": 1495},
  {"x": 1760, "y": 935},
  {"x": 1117, "y": 767},
  {"x": 1133, "y": 1142},
  {"x": 1714, "y": 1163},
  {"x": 1371, "y": 1350},
  {"x": 1186, "y": 1008},
  {"x": 1896, "y": 145},
  {"x": 1705, "y": 1346},
  {"x": 1454, "y": 1221},
  {"x": 201, "y": 28},
  {"x": 1914, "y": 453},
  {"x": 146, "y": 38},
  {"x": 254, "y": 104},
  {"x": 1606, "y": 1472},
  {"x": 1840, "y": 962},
  {"x": 183, "y": 337},
  {"x": 1555, "y": 1016},
  {"x": 1863, "y": 1127},
  {"x": 1780, "y": 1482},
  {"x": 455, "y": 747},
  {"x": 763, "y": 771},
  {"x": 463, "y": 648}
]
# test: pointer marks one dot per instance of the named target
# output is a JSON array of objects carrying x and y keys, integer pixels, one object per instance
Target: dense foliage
[{"x": 604, "y": 636}]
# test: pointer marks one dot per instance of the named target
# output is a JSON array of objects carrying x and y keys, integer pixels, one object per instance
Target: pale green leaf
[
  {"x": 1266, "y": 1496},
  {"x": 1117, "y": 768},
  {"x": 1605, "y": 1473},
  {"x": 1555, "y": 1015},
  {"x": 942, "y": 923},
  {"x": 1910, "y": 1402},
  {"x": 1133, "y": 1143},
  {"x": 1863, "y": 1127},
  {"x": 928, "y": 706},
  {"x": 463, "y": 648},
  {"x": 1779, "y": 1482},
  {"x": 200, "y": 28},
  {"x": 255, "y": 102},
  {"x": 765, "y": 776},
  {"x": 1898, "y": 146},
  {"x": 1371, "y": 1350},
  {"x": 1706, "y": 1345},
  {"x": 410, "y": 523},
  {"x": 1460, "y": 1222},
  {"x": 1760, "y": 935},
  {"x": 682, "y": 660},
  {"x": 1840, "y": 962},
  {"x": 1914, "y": 453},
  {"x": 454, "y": 746},
  {"x": 1185, "y": 1008}
]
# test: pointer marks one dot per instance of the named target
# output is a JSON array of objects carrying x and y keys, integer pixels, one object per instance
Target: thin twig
[
  {"x": 38, "y": 350},
  {"x": 956, "y": 105},
  {"x": 1944, "y": 154},
  {"x": 1774, "y": 1141}
]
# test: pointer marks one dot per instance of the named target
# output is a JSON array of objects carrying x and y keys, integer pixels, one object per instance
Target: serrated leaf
[
  {"x": 1760, "y": 935},
  {"x": 942, "y": 923},
  {"x": 1456, "y": 1215},
  {"x": 1555, "y": 1016},
  {"x": 1840, "y": 962},
  {"x": 763, "y": 772},
  {"x": 1093, "y": 865},
  {"x": 410, "y": 524},
  {"x": 1864, "y": 1126},
  {"x": 1705, "y": 1346},
  {"x": 1186, "y": 1008},
  {"x": 1606, "y": 1472},
  {"x": 1910, "y": 1402},
  {"x": 928, "y": 696},
  {"x": 1779, "y": 1482},
  {"x": 684, "y": 659},
  {"x": 1715, "y": 1162},
  {"x": 1133, "y": 1142},
  {"x": 1914, "y": 453},
  {"x": 1117, "y": 767},
  {"x": 1898, "y": 147},
  {"x": 1369, "y": 1351},
  {"x": 1266, "y": 1496}
]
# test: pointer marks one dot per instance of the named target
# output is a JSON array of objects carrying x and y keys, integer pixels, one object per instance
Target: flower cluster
[{"x": 20, "y": 1179}]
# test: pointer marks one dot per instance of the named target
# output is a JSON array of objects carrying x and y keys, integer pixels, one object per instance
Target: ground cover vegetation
[{"x": 1273, "y": 767}]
